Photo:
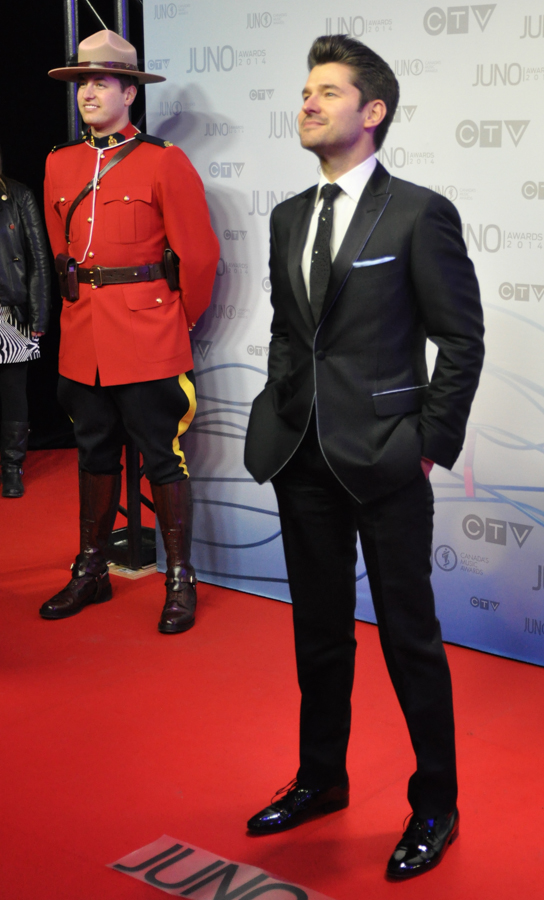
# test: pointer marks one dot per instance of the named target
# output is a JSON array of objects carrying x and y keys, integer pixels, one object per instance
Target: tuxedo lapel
[
  {"x": 297, "y": 239},
  {"x": 369, "y": 211}
]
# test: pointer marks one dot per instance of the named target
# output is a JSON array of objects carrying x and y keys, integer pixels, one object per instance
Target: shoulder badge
[
  {"x": 151, "y": 139},
  {"x": 67, "y": 144}
]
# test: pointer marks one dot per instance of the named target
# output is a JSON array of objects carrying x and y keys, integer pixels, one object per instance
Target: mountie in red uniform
[
  {"x": 125, "y": 212},
  {"x": 152, "y": 199}
]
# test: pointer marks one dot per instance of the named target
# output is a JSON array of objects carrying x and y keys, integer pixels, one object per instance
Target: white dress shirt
[{"x": 353, "y": 184}]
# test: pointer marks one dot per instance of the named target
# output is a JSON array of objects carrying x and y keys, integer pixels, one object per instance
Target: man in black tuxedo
[{"x": 348, "y": 428}]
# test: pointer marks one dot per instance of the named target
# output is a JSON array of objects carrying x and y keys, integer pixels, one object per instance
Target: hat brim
[{"x": 72, "y": 73}]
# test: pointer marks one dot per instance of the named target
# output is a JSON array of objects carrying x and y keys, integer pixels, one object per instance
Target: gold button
[
  {"x": 91, "y": 254},
  {"x": 102, "y": 156},
  {"x": 62, "y": 199},
  {"x": 4, "y": 196},
  {"x": 89, "y": 219},
  {"x": 94, "y": 287},
  {"x": 97, "y": 187},
  {"x": 159, "y": 300},
  {"x": 190, "y": 329},
  {"x": 126, "y": 198}
]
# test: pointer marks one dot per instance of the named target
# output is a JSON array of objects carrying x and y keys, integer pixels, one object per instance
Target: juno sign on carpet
[
  {"x": 469, "y": 126},
  {"x": 183, "y": 870}
]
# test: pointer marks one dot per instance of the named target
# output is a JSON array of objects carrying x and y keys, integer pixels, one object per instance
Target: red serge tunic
[{"x": 152, "y": 199}]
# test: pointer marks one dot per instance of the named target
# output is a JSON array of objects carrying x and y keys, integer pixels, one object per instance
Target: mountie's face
[
  {"x": 332, "y": 121},
  {"x": 103, "y": 104}
]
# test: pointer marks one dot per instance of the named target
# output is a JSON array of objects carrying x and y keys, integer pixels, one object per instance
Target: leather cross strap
[
  {"x": 116, "y": 158},
  {"x": 100, "y": 275}
]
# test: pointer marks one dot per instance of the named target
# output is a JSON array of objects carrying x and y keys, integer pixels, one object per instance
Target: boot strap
[{"x": 175, "y": 583}]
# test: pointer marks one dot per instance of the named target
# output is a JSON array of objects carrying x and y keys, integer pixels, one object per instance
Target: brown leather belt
[{"x": 100, "y": 275}]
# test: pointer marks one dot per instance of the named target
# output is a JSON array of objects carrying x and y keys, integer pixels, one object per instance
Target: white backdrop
[{"x": 469, "y": 125}]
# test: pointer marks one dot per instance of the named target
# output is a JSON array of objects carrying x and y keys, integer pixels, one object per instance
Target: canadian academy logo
[{"x": 445, "y": 558}]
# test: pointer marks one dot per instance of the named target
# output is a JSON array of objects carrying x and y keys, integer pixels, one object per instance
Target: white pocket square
[{"x": 372, "y": 262}]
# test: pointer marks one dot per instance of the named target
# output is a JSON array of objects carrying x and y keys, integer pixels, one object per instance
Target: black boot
[
  {"x": 174, "y": 509},
  {"x": 90, "y": 583},
  {"x": 13, "y": 443}
]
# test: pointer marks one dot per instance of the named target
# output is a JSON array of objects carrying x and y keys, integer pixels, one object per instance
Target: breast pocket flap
[{"x": 111, "y": 193}]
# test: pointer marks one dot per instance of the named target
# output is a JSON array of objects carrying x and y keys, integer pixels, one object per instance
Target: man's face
[
  {"x": 103, "y": 104},
  {"x": 331, "y": 120}
]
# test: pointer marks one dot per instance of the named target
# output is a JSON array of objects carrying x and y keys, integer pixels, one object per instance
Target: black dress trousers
[{"x": 320, "y": 521}]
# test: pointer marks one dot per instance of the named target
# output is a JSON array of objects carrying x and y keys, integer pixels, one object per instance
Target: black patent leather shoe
[
  {"x": 423, "y": 845},
  {"x": 297, "y": 806}
]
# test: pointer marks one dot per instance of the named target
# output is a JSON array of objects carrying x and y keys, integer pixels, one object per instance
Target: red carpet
[{"x": 114, "y": 735}]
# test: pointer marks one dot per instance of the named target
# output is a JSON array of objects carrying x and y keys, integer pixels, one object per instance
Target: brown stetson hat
[{"x": 108, "y": 53}]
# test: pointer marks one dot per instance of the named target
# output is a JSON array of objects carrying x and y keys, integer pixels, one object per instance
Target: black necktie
[{"x": 320, "y": 270}]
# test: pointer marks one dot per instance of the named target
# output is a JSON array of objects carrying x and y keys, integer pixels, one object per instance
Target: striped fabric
[{"x": 16, "y": 343}]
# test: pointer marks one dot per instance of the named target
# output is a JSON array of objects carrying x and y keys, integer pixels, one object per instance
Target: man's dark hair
[
  {"x": 371, "y": 74},
  {"x": 126, "y": 80}
]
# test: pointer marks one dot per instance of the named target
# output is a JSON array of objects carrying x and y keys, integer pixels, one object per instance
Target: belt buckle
[{"x": 95, "y": 275}]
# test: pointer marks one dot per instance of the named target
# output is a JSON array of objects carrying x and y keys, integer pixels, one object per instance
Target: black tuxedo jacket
[{"x": 401, "y": 276}]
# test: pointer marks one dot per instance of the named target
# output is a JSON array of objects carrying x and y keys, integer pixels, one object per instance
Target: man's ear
[
  {"x": 374, "y": 112},
  {"x": 130, "y": 94}
]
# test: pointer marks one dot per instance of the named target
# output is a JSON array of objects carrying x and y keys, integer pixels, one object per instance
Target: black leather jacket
[{"x": 24, "y": 266}]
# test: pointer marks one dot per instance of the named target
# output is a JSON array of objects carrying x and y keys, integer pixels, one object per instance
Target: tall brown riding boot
[
  {"x": 90, "y": 583},
  {"x": 13, "y": 444},
  {"x": 174, "y": 509}
]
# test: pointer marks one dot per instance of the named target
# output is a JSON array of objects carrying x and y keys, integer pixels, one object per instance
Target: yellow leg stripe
[{"x": 188, "y": 389}]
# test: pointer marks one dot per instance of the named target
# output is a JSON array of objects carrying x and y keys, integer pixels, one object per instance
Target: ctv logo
[
  {"x": 225, "y": 170},
  {"x": 255, "y": 350},
  {"x": 231, "y": 235},
  {"x": 408, "y": 113},
  {"x": 456, "y": 19},
  {"x": 508, "y": 291},
  {"x": 531, "y": 190},
  {"x": 495, "y": 531},
  {"x": 203, "y": 348},
  {"x": 490, "y": 132},
  {"x": 262, "y": 94},
  {"x": 481, "y": 603}
]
